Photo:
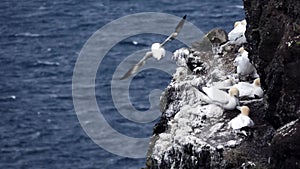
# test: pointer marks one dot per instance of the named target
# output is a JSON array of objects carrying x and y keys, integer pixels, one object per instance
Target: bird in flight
[{"x": 157, "y": 50}]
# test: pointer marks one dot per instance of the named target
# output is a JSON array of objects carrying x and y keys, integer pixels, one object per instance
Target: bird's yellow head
[
  {"x": 256, "y": 82},
  {"x": 245, "y": 110},
  {"x": 237, "y": 23},
  {"x": 233, "y": 91},
  {"x": 244, "y": 22},
  {"x": 229, "y": 81},
  {"x": 241, "y": 50}
]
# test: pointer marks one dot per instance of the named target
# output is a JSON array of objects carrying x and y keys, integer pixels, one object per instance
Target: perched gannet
[
  {"x": 157, "y": 50},
  {"x": 237, "y": 35},
  {"x": 242, "y": 52},
  {"x": 226, "y": 84},
  {"x": 244, "y": 67},
  {"x": 250, "y": 90},
  {"x": 242, "y": 120},
  {"x": 228, "y": 101}
]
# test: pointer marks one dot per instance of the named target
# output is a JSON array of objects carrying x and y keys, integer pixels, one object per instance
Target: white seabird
[
  {"x": 226, "y": 84},
  {"x": 244, "y": 67},
  {"x": 157, "y": 50},
  {"x": 250, "y": 90},
  {"x": 242, "y": 52},
  {"x": 237, "y": 35},
  {"x": 228, "y": 101},
  {"x": 242, "y": 120}
]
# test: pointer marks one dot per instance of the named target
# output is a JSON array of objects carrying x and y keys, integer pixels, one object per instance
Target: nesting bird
[
  {"x": 228, "y": 101},
  {"x": 242, "y": 120},
  {"x": 253, "y": 90},
  {"x": 237, "y": 35},
  {"x": 157, "y": 50},
  {"x": 242, "y": 52},
  {"x": 226, "y": 84},
  {"x": 244, "y": 67}
]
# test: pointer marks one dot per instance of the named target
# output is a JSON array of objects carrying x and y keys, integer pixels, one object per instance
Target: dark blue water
[{"x": 40, "y": 42}]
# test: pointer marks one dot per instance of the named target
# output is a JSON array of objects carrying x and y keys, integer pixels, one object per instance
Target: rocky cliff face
[
  {"x": 192, "y": 134},
  {"x": 273, "y": 33}
]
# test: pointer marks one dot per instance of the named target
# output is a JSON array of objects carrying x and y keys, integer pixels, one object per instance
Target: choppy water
[{"x": 40, "y": 42}]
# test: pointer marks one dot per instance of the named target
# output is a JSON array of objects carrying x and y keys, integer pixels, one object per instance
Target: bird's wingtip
[
  {"x": 202, "y": 90},
  {"x": 184, "y": 17},
  {"x": 123, "y": 77}
]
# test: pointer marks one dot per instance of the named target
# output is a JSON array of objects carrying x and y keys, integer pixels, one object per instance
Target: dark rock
[
  {"x": 168, "y": 96},
  {"x": 273, "y": 35},
  {"x": 286, "y": 147},
  {"x": 161, "y": 126},
  {"x": 195, "y": 62},
  {"x": 215, "y": 36}
]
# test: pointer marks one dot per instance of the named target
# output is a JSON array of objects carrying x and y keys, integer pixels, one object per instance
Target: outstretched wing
[
  {"x": 137, "y": 66},
  {"x": 177, "y": 30}
]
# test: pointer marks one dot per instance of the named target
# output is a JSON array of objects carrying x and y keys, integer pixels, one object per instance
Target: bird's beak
[{"x": 238, "y": 107}]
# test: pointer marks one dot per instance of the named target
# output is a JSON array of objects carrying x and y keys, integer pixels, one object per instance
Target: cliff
[
  {"x": 273, "y": 33},
  {"x": 194, "y": 134}
]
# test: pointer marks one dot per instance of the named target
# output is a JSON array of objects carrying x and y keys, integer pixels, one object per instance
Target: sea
[{"x": 40, "y": 42}]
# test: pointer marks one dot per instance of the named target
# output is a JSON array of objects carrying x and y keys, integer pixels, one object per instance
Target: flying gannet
[{"x": 157, "y": 50}]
